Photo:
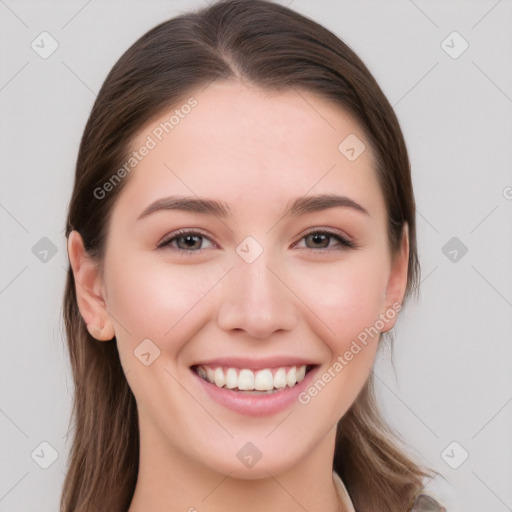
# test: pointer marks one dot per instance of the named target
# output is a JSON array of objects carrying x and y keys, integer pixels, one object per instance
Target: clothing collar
[{"x": 343, "y": 493}]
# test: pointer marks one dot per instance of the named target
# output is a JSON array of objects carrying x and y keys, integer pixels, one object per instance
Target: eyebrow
[
  {"x": 188, "y": 204},
  {"x": 311, "y": 204},
  {"x": 300, "y": 206}
]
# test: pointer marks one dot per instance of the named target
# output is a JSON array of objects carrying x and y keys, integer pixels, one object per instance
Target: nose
[{"x": 257, "y": 299}]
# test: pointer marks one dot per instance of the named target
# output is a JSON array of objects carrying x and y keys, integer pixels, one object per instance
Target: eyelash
[{"x": 343, "y": 242}]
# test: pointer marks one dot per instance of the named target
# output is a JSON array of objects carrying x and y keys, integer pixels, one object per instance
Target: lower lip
[{"x": 256, "y": 405}]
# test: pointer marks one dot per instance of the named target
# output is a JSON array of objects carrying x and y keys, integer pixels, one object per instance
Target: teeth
[
  {"x": 291, "y": 377},
  {"x": 280, "y": 378},
  {"x": 219, "y": 377},
  {"x": 231, "y": 378},
  {"x": 263, "y": 380},
  {"x": 247, "y": 380}
]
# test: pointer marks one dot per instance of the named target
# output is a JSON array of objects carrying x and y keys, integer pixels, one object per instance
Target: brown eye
[
  {"x": 185, "y": 241},
  {"x": 322, "y": 240},
  {"x": 189, "y": 242},
  {"x": 319, "y": 240}
]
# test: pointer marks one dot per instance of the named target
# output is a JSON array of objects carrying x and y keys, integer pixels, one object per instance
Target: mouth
[{"x": 263, "y": 381}]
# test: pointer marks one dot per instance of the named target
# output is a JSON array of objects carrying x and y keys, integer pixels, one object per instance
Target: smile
[{"x": 262, "y": 381}]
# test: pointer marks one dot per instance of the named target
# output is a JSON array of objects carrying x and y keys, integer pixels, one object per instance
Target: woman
[{"x": 241, "y": 232}]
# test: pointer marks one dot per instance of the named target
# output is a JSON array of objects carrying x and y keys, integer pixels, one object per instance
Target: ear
[
  {"x": 397, "y": 282},
  {"x": 89, "y": 289}
]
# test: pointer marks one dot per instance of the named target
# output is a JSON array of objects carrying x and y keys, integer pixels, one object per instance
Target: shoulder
[
  {"x": 437, "y": 495},
  {"x": 425, "y": 502}
]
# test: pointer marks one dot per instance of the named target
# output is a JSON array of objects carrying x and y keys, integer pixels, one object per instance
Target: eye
[
  {"x": 185, "y": 241},
  {"x": 322, "y": 240},
  {"x": 188, "y": 242}
]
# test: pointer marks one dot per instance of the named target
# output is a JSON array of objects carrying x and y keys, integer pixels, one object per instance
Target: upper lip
[{"x": 256, "y": 364}]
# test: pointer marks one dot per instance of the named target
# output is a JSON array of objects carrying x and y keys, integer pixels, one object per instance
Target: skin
[{"x": 258, "y": 151}]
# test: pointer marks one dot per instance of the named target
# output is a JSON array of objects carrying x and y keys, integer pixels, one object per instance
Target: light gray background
[{"x": 453, "y": 349}]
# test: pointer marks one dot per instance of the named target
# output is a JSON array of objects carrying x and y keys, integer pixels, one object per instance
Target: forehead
[{"x": 250, "y": 147}]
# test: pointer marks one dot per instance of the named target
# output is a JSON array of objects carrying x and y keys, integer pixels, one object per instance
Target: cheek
[
  {"x": 152, "y": 299},
  {"x": 347, "y": 297}
]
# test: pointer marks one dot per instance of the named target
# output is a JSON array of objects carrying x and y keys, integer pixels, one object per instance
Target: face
[{"x": 248, "y": 317}]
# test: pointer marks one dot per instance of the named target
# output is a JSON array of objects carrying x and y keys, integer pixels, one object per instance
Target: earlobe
[{"x": 89, "y": 289}]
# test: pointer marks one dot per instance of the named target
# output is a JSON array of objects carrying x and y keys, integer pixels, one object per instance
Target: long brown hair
[{"x": 275, "y": 48}]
